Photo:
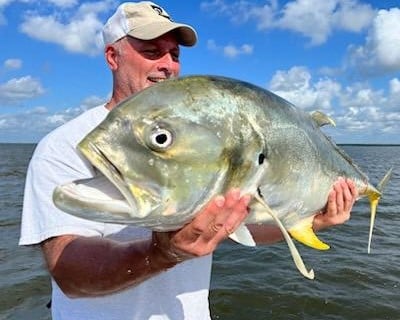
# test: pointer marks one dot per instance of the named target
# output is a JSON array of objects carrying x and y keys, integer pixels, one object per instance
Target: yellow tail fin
[{"x": 373, "y": 200}]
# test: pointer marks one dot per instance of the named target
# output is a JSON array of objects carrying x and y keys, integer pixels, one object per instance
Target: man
[{"x": 108, "y": 271}]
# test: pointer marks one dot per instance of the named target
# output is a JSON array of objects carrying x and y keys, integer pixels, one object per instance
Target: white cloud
[
  {"x": 303, "y": 17},
  {"x": 230, "y": 51},
  {"x": 296, "y": 86},
  {"x": 352, "y": 16},
  {"x": 211, "y": 45},
  {"x": 93, "y": 101},
  {"x": 381, "y": 51},
  {"x": 64, "y": 3},
  {"x": 80, "y": 36},
  {"x": 394, "y": 95},
  {"x": 80, "y": 33},
  {"x": 3, "y": 4},
  {"x": 10, "y": 64},
  {"x": 18, "y": 89},
  {"x": 314, "y": 19},
  {"x": 243, "y": 11},
  {"x": 358, "y": 109},
  {"x": 31, "y": 125},
  {"x": 317, "y": 19},
  {"x": 395, "y": 86}
]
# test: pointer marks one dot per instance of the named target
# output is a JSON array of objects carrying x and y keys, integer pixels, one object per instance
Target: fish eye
[{"x": 160, "y": 139}]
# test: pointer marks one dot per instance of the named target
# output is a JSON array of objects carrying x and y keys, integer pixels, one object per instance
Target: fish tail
[{"x": 374, "y": 198}]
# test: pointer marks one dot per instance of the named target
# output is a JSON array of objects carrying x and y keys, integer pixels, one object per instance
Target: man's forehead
[{"x": 166, "y": 40}]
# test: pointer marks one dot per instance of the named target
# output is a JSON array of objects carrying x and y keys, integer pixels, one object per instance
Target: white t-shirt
[{"x": 179, "y": 293}]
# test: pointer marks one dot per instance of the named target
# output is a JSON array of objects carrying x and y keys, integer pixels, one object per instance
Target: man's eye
[
  {"x": 152, "y": 54},
  {"x": 175, "y": 56}
]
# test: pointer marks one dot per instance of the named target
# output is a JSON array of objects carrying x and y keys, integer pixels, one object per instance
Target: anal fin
[{"x": 304, "y": 233}]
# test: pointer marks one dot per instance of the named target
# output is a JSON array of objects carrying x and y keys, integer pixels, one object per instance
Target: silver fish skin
[{"x": 166, "y": 151}]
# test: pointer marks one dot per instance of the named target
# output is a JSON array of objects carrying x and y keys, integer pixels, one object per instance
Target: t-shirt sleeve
[{"x": 41, "y": 219}]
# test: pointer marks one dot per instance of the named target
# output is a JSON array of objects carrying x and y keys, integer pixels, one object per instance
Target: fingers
[
  {"x": 222, "y": 218},
  {"x": 340, "y": 203},
  {"x": 331, "y": 209},
  {"x": 213, "y": 224}
]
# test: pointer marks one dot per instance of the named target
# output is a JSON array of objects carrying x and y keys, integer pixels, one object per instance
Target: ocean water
[{"x": 257, "y": 283}]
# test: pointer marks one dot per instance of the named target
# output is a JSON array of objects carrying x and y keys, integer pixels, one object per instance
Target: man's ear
[{"x": 111, "y": 55}]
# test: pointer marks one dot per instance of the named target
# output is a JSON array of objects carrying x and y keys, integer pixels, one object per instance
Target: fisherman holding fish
[{"x": 115, "y": 271}]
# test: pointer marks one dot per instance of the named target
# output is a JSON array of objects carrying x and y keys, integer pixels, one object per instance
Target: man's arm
[
  {"x": 84, "y": 267},
  {"x": 340, "y": 202}
]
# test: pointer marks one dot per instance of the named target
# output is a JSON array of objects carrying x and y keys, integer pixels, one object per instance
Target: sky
[{"x": 341, "y": 57}]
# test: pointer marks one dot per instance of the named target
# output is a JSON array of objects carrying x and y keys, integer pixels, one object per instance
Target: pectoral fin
[
  {"x": 243, "y": 236},
  {"x": 304, "y": 233}
]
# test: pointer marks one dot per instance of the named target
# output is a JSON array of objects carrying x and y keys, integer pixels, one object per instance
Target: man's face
[{"x": 144, "y": 63}]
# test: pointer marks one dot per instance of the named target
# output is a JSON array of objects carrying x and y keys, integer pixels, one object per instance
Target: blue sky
[{"x": 338, "y": 56}]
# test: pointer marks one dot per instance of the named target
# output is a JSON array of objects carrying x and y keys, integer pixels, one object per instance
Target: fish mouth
[
  {"x": 109, "y": 195},
  {"x": 89, "y": 195},
  {"x": 142, "y": 197}
]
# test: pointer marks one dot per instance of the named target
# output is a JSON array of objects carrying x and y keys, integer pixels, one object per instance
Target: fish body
[{"x": 171, "y": 148}]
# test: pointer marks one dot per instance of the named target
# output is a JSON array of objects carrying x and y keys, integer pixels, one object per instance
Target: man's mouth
[{"x": 156, "y": 79}]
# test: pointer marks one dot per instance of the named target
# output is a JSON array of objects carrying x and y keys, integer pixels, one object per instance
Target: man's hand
[
  {"x": 211, "y": 225},
  {"x": 340, "y": 202}
]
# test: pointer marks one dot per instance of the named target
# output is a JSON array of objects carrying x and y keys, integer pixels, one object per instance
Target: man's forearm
[{"x": 87, "y": 267}]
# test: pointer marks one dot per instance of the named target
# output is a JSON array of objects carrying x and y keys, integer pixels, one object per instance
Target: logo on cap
[{"x": 161, "y": 12}]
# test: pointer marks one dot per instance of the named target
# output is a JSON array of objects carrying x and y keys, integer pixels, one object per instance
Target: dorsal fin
[{"x": 321, "y": 119}]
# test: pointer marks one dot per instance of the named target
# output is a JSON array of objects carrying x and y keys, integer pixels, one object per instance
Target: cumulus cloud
[
  {"x": 395, "y": 86},
  {"x": 300, "y": 16},
  {"x": 230, "y": 51},
  {"x": 80, "y": 33},
  {"x": 381, "y": 51},
  {"x": 12, "y": 64},
  {"x": 32, "y": 124},
  {"x": 64, "y": 3},
  {"x": 295, "y": 85},
  {"x": 17, "y": 90},
  {"x": 317, "y": 19},
  {"x": 357, "y": 108}
]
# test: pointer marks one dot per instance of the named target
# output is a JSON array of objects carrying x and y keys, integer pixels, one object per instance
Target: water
[
  {"x": 24, "y": 285},
  {"x": 257, "y": 284}
]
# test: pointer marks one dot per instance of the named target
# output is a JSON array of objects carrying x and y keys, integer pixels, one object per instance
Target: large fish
[{"x": 166, "y": 151}]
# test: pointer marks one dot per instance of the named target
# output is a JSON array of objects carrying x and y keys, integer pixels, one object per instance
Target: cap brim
[{"x": 186, "y": 35}]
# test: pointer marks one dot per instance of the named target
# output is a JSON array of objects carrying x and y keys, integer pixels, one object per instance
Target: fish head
[{"x": 166, "y": 151}]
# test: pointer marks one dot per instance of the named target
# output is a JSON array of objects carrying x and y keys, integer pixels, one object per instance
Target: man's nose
[{"x": 167, "y": 63}]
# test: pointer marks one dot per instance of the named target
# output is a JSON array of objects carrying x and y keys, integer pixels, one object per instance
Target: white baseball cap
[{"x": 145, "y": 21}]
